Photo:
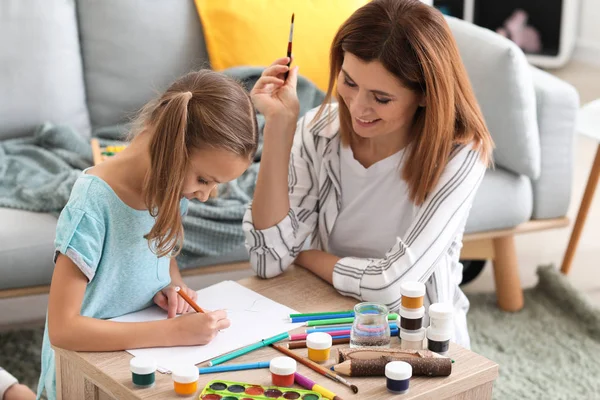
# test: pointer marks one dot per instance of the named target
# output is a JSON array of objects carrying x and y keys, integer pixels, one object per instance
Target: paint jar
[
  {"x": 412, "y": 294},
  {"x": 411, "y": 319},
  {"x": 185, "y": 380},
  {"x": 441, "y": 317},
  {"x": 143, "y": 371},
  {"x": 412, "y": 340},
  {"x": 282, "y": 371},
  {"x": 438, "y": 341},
  {"x": 398, "y": 374},
  {"x": 319, "y": 346},
  {"x": 370, "y": 327}
]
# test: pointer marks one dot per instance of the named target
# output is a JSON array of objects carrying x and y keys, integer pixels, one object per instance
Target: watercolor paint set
[{"x": 227, "y": 390}]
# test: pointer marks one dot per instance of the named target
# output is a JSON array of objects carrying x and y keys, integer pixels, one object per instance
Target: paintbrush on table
[{"x": 316, "y": 367}]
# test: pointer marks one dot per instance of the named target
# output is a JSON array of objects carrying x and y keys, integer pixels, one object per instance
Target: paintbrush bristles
[{"x": 293, "y": 17}]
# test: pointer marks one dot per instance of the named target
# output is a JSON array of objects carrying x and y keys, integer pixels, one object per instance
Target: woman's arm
[
  {"x": 415, "y": 255},
  {"x": 70, "y": 330}
]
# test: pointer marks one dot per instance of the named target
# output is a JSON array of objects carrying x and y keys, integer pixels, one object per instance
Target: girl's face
[
  {"x": 378, "y": 103},
  {"x": 207, "y": 168}
]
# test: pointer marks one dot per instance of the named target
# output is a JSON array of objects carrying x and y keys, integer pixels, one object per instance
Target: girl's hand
[
  {"x": 197, "y": 328},
  {"x": 273, "y": 96},
  {"x": 174, "y": 304}
]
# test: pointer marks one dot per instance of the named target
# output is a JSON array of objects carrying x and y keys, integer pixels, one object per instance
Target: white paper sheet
[{"x": 253, "y": 318}]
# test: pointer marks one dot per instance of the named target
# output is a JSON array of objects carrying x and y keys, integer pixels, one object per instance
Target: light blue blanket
[{"x": 37, "y": 173}]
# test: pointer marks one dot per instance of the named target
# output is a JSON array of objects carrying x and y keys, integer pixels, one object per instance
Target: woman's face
[
  {"x": 378, "y": 103},
  {"x": 209, "y": 167}
]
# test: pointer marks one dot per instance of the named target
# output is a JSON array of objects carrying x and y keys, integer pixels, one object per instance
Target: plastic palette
[{"x": 226, "y": 390}]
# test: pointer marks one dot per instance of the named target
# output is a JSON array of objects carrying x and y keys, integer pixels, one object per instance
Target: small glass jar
[{"x": 370, "y": 327}]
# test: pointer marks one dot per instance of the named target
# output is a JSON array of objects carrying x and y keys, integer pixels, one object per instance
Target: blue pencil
[
  {"x": 321, "y": 317},
  {"x": 234, "y": 367}
]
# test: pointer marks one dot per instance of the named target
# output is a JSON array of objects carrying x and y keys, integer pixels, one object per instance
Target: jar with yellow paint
[
  {"x": 319, "y": 346},
  {"x": 185, "y": 379}
]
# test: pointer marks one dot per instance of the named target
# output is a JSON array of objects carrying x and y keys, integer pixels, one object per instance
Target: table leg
[
  {"x": 71, "y": 383},
  {"x": 584, "y": 208},
  {"x": 481, "y": 392}
]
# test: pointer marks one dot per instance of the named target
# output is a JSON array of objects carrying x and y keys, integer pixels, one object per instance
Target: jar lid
[
  {"x": 398, "y": 370},
  {"x": 413, "y": 336},
  {"x": 412, "y": 289},
  {"x": 441, "y": 311},
  {"x": 319, "y": 340},
  {"x": 412, "y": 313},
  {"x": 142, "y": 365},
  {"x": 438, "y": 336},
  {"x": 282, "y": 366},
  {"x": 185, "y": 374}
]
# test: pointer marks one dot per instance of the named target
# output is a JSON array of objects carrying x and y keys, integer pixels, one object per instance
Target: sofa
[{"x": 91, "y": 64}]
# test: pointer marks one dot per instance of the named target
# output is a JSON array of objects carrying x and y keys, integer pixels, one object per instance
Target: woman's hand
[
  {"x": 174, "y": 304},
  {"x": 274, "y": 97},
  {"x": 199, "y": 328}
]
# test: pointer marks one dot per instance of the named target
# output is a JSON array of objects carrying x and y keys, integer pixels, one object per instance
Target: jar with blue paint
[
  {"x": 398, "y": 374},
  {"x": 143, "y": 372}
]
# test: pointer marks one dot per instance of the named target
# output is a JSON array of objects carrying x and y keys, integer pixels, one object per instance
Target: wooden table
[{"x": 96, "y": 376}]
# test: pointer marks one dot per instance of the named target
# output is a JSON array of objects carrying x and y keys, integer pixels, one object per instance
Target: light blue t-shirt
[{"x": 104, "y": 237}]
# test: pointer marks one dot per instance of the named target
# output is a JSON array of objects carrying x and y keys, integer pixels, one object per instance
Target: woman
[{"x": 382, "y": 181}]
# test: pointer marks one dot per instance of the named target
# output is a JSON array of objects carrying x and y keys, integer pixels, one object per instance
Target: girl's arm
[
  {"x": 68, "y": 329},
  {"x": 168, "y": 299}
]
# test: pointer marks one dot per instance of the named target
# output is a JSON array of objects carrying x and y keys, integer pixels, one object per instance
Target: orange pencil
[{"x": 189, "y": 300}]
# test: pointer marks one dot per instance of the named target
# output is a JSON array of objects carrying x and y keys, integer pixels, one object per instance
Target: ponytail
[{"x": 164, "y": 182}]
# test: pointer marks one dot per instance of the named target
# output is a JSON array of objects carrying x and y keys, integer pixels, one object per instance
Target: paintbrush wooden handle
[
  {"x": 315, "y": 367},
  {"x": 310, "y": 364}
]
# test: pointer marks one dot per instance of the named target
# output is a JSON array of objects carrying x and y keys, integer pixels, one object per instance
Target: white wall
[{"x": 588, "y": 39}]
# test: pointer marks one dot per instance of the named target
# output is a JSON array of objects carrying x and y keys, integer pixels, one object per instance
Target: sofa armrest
[{"x": 557, "y": 105}]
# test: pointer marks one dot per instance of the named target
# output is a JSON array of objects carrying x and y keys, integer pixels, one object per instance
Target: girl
[
  {"x": 117, "y": 237},
  {"x": 382, "y": 181}
]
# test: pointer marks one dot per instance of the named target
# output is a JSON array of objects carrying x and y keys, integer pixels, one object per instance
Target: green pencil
[
  {"x": 320, "y": 313},
  {"x": 248, "y": 349},
  {"x": 349, "y": 320}
]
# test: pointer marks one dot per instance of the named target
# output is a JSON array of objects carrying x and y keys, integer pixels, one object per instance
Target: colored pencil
[
  {"x": 189, "y": 300},
  {"x": 248, "y": 349},
  {"x": 321, "y": 313},
  {"x": 318, "y": 317},
  {"x": 321, "y": 322},
  {"x": 234, "y": 367},
  {"x": 337, "y": 334},
  {"x": 328, "y": 329},
  {"x": 310, "y": 385},
  {"x": 301, "y": 344},
  {"x": 316, "y": 367},
  {"x": 289, "y": 48}
]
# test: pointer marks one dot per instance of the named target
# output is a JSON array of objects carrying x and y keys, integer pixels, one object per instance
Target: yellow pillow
[{"x": 256, "y": 32}]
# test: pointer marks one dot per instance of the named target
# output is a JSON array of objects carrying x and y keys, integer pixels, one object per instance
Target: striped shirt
[{"x": 428, "y": 252}]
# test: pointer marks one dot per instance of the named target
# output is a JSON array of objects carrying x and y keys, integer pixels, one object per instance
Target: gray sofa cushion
[
  {"x": 503, "y": 200},
  {"x": 557, "y": 104},
  {"x": 501, "y": 79},
  {"x": 133, "y": 49},
  {"x": 26, "y": 248},
  {"x": 40, "y": 67}
]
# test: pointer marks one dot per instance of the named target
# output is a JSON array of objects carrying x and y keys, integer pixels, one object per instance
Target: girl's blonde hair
[
  {"x": 413, "y": 42},
  {"x": 200, "y": 110}
]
